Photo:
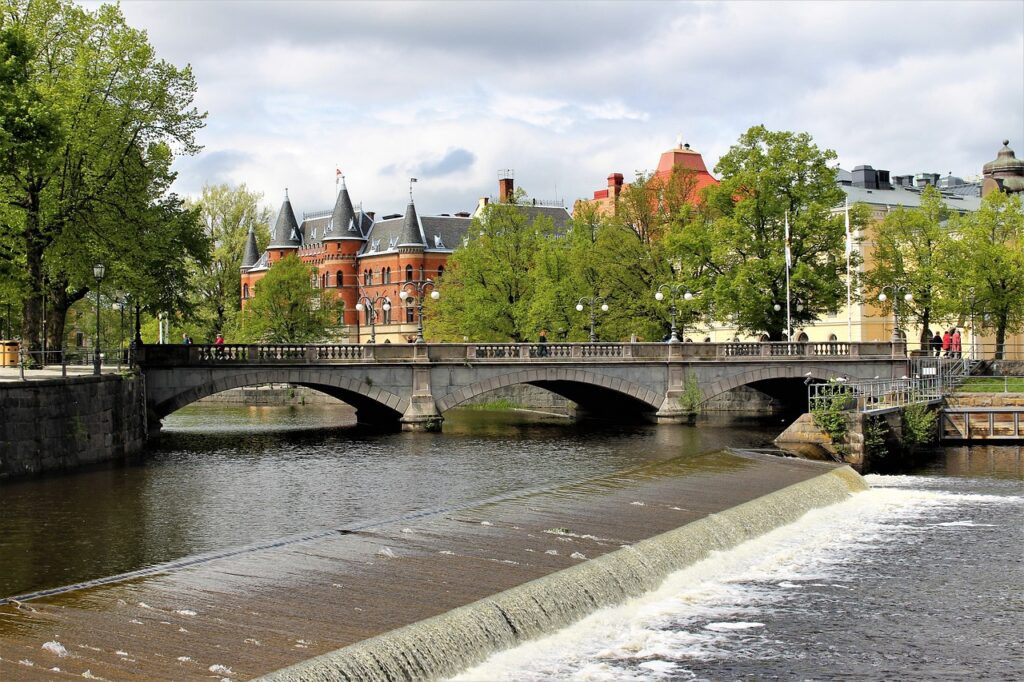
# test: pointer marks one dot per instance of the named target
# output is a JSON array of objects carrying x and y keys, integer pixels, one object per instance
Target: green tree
[
  {"x": 909, "y": 243},
  {"x": 765, "y": 176},
  {"x": 985, "y": 265},
  {"x": 488, "y": 285},
  {"x": 89, "y": 181},
  {"x": 286, "y": 308},
  {"x": 226, "y": 214}
]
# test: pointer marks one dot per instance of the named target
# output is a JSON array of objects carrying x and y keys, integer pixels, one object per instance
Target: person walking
[
  {"x": 947, "y": 339},
  {"x": 542, "y": 344},
  {"x": 954, "y": 344},
  {"x": 936, "y": 345},
  {"x": 218, "y": 346}
]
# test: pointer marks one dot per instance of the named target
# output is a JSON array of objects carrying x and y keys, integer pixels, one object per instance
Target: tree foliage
[
  {"x": 910, "y": 244},
  {"x": 985, "y": 265},
  {"x": 91, "y": 122},
  {"x": 286, "y": 309},
  {"x": 488, "y": 282},
  {"x": 226, "y": 214},
  {"x": 764, "y": 176}
]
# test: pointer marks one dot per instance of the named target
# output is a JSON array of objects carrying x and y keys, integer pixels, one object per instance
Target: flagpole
[
  {"x": 849, "y": 277},
  {"x": 789, "y": 263}
]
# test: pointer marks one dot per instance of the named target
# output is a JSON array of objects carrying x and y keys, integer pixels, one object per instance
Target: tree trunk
[
  {"x": 1000, "y": 336},
  {"x": 926, "y": 317},
  {"x": 32, "y": 311}
]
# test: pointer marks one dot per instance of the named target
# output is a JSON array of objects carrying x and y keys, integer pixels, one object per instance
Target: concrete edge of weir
[{"x": 452, "y": 642}]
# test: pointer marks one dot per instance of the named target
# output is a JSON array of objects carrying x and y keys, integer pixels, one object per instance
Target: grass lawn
[{"x": 993, "y": 385}]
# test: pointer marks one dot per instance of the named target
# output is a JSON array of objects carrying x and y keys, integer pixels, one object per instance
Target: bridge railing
[{"x": 205, "y": 354}]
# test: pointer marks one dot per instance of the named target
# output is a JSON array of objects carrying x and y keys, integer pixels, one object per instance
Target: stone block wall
[{"x": 59, "y": 424}]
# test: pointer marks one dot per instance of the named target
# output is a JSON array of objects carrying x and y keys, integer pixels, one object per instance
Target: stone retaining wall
[{"x": 58, "y": 424}]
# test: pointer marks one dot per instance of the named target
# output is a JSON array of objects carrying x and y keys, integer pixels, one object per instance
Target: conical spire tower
[{"x": 286, "y": 229}]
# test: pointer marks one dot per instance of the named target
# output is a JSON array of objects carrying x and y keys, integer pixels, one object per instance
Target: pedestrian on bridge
[
  {"x": 936, "y": 344},
  {"x": 954, "y": 343},
  {"x": 947, "y": 340}
]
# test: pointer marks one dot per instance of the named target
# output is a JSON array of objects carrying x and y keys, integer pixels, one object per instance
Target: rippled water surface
[
  {"x": 223, "y": 476},
  {"x": 919, "y": 578}
]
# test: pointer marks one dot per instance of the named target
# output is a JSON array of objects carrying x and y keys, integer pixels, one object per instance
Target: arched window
[
  {"x": 338, "y": 279},
  {"x": 440, "y": 271},
  {"x": 366, "y": 277},
  {"x": 366, "y": 316},
  {"x": 245, "y": 291},
  {"x": 421, "y": 273},
  {"x": 803, "y": 337},
  {"x": 325, "y": 280},
  {"x": 408, "y": 273},
  {"x": 833, "y": 337},
  {"x": 707, "y": 339},
  {"x": 410, "y": 308},
  {"x": 387, "y": 313},
  {"x": 386, "y": 273},
  {"x": 369, "y": 276}
]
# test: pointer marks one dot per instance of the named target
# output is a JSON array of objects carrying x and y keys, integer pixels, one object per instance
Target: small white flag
[
  {"x": 789, "y": 253},
  {"x": 849, "y": 237}
]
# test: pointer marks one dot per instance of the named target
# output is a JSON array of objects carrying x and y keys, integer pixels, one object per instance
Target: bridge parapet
[{"x": 262, "y": 354}]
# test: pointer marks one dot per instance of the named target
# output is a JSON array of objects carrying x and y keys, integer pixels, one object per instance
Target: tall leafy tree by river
[
  {"x": 764, "y": 175},
  {"x": 909, "y": 248},
  {"x": 985, "y": 265},
  {"x": 227, "y": 214},
  {"x": 488, "y": 287},
  {"x": 286, "y": 309},
  {"x": 92, "y": 120}
]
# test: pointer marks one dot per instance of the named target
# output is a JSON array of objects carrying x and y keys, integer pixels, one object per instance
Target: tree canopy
[
  {"x": 286, "y": 309},
  {"x": 90, "y": 124}
]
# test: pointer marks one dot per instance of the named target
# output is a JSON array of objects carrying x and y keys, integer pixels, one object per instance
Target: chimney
[
  {"x": 506, "y": 185},
  {"x": 370, "y": 214},
  {"x": 883, "y": 179},
  {"x": 615, "y": 185},
  {"x": 866, "y": 177}
]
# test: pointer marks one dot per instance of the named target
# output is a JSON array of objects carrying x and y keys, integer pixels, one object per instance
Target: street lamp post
[
  {"x": 592, "y": 301},
  {"x": 370, "y": 305},
  {"x": 98, "y": 271},
  {"x": 675, "y": 291},
  {"x": 419, "y": 288},
  {"x": 119, "y": 305},
  {"x": 896, "y": 290}
]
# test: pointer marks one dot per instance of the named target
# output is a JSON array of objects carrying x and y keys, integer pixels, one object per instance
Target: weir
[{"x": 421, "y": 597}]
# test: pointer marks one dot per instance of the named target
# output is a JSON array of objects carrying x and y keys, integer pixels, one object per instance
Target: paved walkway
[{"x": 50, "y": 372}]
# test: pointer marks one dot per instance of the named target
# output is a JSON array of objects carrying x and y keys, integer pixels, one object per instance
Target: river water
[{"x": 919, "y": 578}]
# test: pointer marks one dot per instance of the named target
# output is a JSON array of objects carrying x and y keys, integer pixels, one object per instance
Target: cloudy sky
[{"x": 565, "y": 93}]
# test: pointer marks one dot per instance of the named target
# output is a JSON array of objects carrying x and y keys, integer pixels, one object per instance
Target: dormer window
[
  {"x": 438, "y": 243},
  {"x": 375, "y": 246},
  {"x": 392, "y": 242}
]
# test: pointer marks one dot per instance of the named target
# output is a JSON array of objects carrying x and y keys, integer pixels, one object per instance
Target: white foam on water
[
  {"x": 387, "y": 552},
  {"x": 185, "y": 612},
  {"x": 55, "y": 648},
  {"x": 697, "y": 611},
  {"x": 220, "y": 669},
  {"x": 966, "y": 524}
]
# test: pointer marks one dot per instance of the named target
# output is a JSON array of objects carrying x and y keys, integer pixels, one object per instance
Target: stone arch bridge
[{"x": 415, "y": 384}]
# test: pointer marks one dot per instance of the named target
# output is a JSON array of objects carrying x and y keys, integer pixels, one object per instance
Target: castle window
[
  {"x": 438, "y": 243},
  {"x": 387, "y": 313},
  {"x": 245, "y": 291},
  {"x": 338, "y": 279},
  {"x": 421, "y": 273},
  {"x": 408, "y": 273},
  {"x": 440, "y": 271},
  {"x": 410, "y": 309}
]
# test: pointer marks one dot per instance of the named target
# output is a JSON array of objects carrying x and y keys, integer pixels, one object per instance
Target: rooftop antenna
[
  {"x": 338, "y": 177},
  {"x": 411, "y": 180},
  {"x": 286, "y": 194}
]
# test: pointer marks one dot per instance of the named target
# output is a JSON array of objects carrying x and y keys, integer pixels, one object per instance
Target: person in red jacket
[
  {"x": 954, "y": 344},
  {"x": 947, "y": 339}
]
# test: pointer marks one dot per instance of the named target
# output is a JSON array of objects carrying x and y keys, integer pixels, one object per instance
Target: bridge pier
[
  {"x": 422, "y": 413},
  {"x": 673, "y": 410}
]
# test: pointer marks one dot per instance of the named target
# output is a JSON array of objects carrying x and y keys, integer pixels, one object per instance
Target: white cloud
[{"x": 566, "y": 93}]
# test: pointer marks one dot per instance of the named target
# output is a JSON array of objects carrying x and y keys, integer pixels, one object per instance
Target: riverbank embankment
[
  {"x": 63, "y": 423},
  {"x": 421, "y": 596}
]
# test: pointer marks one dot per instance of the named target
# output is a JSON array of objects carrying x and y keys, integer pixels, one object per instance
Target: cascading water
[{"x": 444, "y": 645}]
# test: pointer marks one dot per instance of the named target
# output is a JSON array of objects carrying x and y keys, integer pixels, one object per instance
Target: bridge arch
[
  {"x": 560, "y": 380},
  {"x": 366, "y": 398},
  {"x": 753, "y": 376}
]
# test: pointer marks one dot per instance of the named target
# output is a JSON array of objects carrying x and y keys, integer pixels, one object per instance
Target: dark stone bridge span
[{"x": 416, "y": 383}]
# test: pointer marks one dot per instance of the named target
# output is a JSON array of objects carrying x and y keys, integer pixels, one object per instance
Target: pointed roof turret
[
  {"x": 286, "y": 229},
  {"x": 251, "y": 254},
  {"x": 411, "y": 234},
  {"x": 344, "y": 224}
]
